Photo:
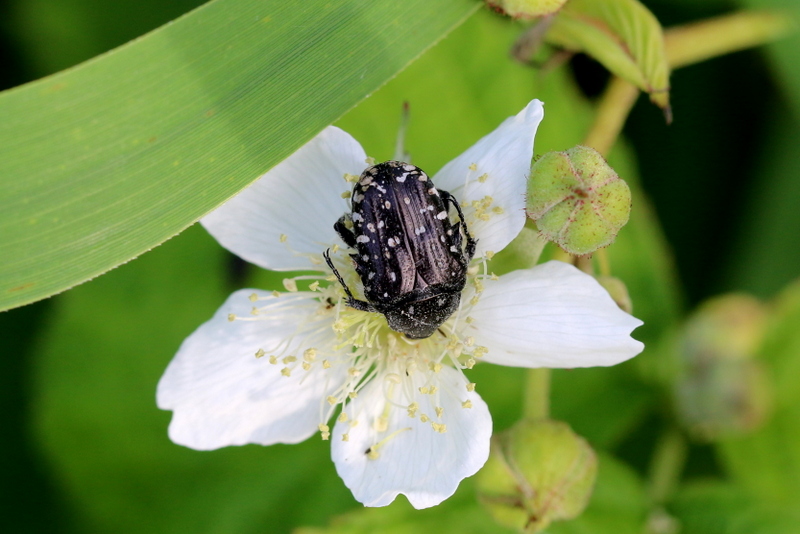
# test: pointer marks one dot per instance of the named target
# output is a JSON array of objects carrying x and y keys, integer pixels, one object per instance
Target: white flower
[{"x": 275, "y": 367}]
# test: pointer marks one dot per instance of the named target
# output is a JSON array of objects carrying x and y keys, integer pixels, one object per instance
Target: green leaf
[
  {"x": 767, "y": 463},
  {"x": 723, "y": 508},
  {"x": 102, "y": 162},
  {"x": 623, "y": 35}
]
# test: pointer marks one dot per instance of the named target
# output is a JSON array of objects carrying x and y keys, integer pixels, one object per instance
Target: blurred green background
[{"x": 84, "y": 448}]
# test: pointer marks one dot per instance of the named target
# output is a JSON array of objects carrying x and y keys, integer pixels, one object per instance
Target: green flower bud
[
  {"x": 538, "y": 471},
  {"x": 526, "y": 9},
  {"x": 720, "y": 389},
  {"x": 577, "y": 200}
]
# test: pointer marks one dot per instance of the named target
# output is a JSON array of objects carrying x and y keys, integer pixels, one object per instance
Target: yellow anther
[
  {"x": 276, "y": 294},
  {"x": 326, "y": 364},
  {"x": 489, "y": 254},
  {"x": 289, "y": 359},
  {"x": 484, "y": 216},
  {"x": 381, "y": 424},
  {"x": 441, "y": 428},
  {"x": 332, "y": 400},
  {"x": 469, "y": 341},
  {"x": 313, "y": 286},
  {"x": 286, "y": 371},
  {"x": 350, "y": 177},
  {"x": 326, "y": 436},
  {"x": 480, "y": 351},
  {"x": 424, "y": 418},
  {"x": 434, "y": 389},
  {"x": 273, "y": 359},
  {"x": 473, "y": 167},
  {"x": 324, "y": 428},
  {"x": 483, "y": 177},
  {"x": 290, "y": 284},
  {"x": 254, "y": 311},
  {"x": 253, "y": 297},
  {"x": 353, "y": 372},
  {"x": 260, "y": 353},
  {"x": 474, "y": 300},
  {"x": 498, "y": 210},
  {"x": 345, "y": 437},
  {"x": 330, "y": 278},
  {"x": 471, "y": 386},
  {"x": 370, "y": 161},
  {"x": 424, "y": 390},
  {"x": 439, "y": 411},
  {"x": 342, "y": 417},
  {"x": 412, "y": 409},
  {"x": 494, "y": 277},
  {"x": 231, "y": 317},
  {"x": 466, "y": 404},
  {"x": 470, "y": 363},
  {"x": 310, "y": 355},
  {"x": 283, "y": 238},
  {"x": 435, "y": 366},
  {"x": 372, "y": 454},
  {"x": 353, "y": 395},
  {"x": 306, "y": 366},
  {"x": 346, "y": 194},
  {"x": 469, "y": 319}
]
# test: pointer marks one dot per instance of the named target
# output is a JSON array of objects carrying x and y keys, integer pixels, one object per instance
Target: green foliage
[{"x": 104, "y": 161}]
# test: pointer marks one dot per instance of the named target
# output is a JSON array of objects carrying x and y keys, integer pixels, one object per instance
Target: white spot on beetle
[
  {"x": 433, "y": 191},
  {"x": 401, "y": 178},
  {"x": 408, "y": 168},
  {"x": 381, "y": 224},
  {"x": 453, "y": 248},
  {"x": 362, "y": 239},
  {"x": 419, "y": 231},
  {"x": 357, "y": 216},
  {"x": 442, "y": 215},
  {"x": 371, "y": 275},
  {"x": 371, "y": 227},
  {"x": 392, "y": 276},
  {"x": 423, "y": 177},
  {"x": 407, "y": 200},
  {"x": 387, "y": 205}
]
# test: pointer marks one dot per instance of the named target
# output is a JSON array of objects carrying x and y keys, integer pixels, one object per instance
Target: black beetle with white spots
[{"x": 412, "y": 260}]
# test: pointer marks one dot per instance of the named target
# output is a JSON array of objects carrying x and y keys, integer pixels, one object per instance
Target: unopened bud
[
  {"x": 577, "y": 200},
  {"x": 539, "y": 471},
  {"x": 526, "y": 9},
  {"x": 721, "y": 389}
]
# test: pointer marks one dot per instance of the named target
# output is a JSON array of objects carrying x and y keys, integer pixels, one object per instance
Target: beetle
[{"x": 409, "y": 255}]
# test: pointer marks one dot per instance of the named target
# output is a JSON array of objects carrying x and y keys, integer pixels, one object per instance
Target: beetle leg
[
  {"x": 344, "y": 232},
  {"x": 351, "y": 300},
  {"x": 448, "y": 198}
]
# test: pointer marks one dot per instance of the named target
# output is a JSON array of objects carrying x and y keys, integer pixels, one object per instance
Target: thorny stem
[{"x": 537, "y": 394}]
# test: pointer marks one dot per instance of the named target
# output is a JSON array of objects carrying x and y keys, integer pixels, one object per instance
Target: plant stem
[
  {"x": 667, "y": 465},
  {"x": 614, "y": 107},
  {"x": 537, "y": 394}
]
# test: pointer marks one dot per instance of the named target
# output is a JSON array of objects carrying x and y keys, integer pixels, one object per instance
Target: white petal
[
  {"x": 221, "y": 394},
  {"x": 299, "y": 198},
  {"x": 414, "y": 459},
  {"x": 551, "y": 316},
  {"x": 504, "y": 157}
]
